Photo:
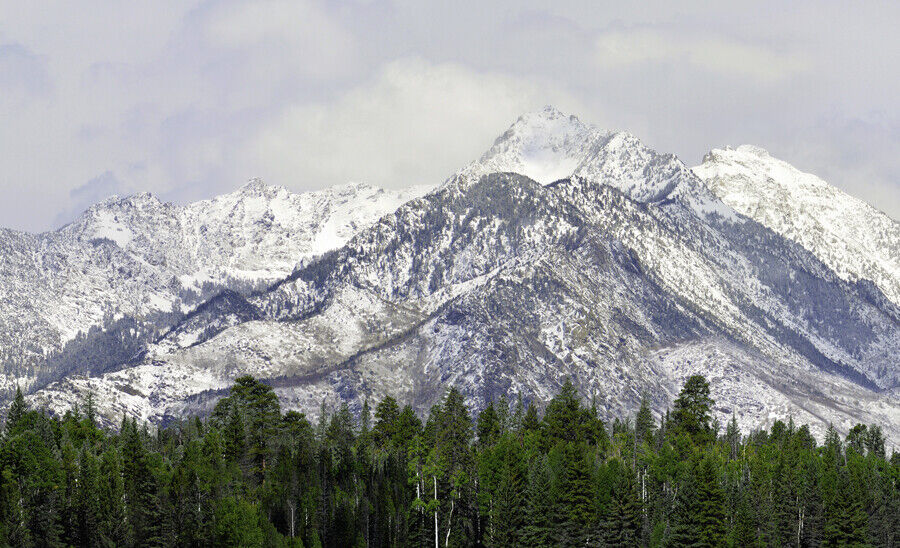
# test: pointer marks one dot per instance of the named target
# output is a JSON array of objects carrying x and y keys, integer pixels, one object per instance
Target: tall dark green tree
[
  {"x": 622, "y": 518},
  {"x": 691, "y": 412}
]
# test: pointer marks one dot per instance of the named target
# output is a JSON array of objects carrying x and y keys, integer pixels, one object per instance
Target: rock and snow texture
[
  {"x": 548, "y": 145},
  {"x": 601, "y": 260},
  {"x": 87, "y": 296},
  {"x": 853, "y": 238}
]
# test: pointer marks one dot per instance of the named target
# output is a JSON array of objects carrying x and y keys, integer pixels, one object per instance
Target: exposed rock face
[
  {"x": 88, "y": 296},
  {"x": 851, "y": 237}
]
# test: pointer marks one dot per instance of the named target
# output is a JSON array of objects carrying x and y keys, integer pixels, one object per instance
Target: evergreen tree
[
  {"x": 113, "y": 526},
  {"x": 622, "y": 520},
  {"x": 575, "y": 512},
  {"x": 387, "y": 415},
  {"x": 508, "y": 511},
  {"x": 691, "y": 412},
  {"x": 709, "y": 508},
  {"x": 539, "y": 503},
  {"x": 488, "y": 426},
  {"x": 251, "y": 476},
  {"x": 87, "y": 504},
  {"x": 15, "y": 417},
  {"x": 644, "y": 425}
]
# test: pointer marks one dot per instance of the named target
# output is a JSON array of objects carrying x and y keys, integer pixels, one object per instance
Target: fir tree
[
  {"x": 644, "y": 426},
  {"x": 539, "y": 503},
  {"x": 15, "y": 417},
  {"x": 691, "y": 412},
  {"x": 709, "y": 507},
  {"x": 622, "y": 520}
]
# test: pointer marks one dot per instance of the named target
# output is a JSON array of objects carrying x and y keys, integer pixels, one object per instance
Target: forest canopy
[{"x": 252, "y": 475}]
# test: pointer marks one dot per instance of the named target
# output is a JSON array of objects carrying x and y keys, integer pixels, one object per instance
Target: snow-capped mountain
[
  {"x": 548, "y": 145},
  {"x": 89, "y": 295},
  {"x": 617, "y": 267},
  {"x": 853, "y": 238}
]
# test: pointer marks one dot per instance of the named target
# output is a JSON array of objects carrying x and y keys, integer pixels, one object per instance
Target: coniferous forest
[{"x": 250, "y": 475}]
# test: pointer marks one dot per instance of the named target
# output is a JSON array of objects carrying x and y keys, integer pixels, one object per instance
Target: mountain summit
[
  {"x": 853, "y": 238},
  {"x": 548, "y": 145}
]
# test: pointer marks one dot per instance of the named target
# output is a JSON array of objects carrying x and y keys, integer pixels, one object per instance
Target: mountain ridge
[
  {"x": 849, "y": 235},
  {"x": 628, "y": 268},
  {"x": 140, "y": 258}
]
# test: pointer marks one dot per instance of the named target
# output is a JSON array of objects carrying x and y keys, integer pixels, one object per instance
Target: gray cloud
[
  {"x": 189, "y": 99},
  {"x": 22, "y": 72},
  {"x": 99, "y": 188}
]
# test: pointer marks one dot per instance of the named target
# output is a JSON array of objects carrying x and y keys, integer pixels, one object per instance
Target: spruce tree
[
  {"x": 691, "y": 413},
  {"x": 539, "y": 503},
  {"x": 113, "y": 526},
  {"x": 508, "y": 512},
  {"x": 15, "y": 417},
  {"x": 710, "y": 504},
  {"x": 622, "y": 519},
  {"x": 644, "y": 424}
]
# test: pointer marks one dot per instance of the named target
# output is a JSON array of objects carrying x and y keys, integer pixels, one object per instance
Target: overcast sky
[{"x": 190, "y": 99}]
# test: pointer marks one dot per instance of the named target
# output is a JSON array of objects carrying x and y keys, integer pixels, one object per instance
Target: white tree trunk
[{"x": 449, "y": 518}]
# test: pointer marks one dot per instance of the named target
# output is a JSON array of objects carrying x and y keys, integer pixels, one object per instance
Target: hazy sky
[{"x": 189, "y": 99}]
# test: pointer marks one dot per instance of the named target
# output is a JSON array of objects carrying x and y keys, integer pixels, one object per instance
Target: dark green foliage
[
  {"x": 709, "y": 505},
  {"x": 644, "y": 426},
  {"x": 622, "y": 519},
  {"x": 691, "y": 412},
  {"x": 252, "y": 476}
]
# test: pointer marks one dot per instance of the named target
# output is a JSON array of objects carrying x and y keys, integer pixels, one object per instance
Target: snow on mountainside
[
  {"x": 627, "y": 274},
  {"x": 853, "y": 238},
  {"x": 87, "y": 296},
  {"x": 548, "y": 145}
]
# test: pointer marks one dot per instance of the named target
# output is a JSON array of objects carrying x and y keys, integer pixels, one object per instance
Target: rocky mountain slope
[
  {"x": 617, "y": 267},
  {"x": 853, "y": 238},
  {"x": 91, "y": 294}
]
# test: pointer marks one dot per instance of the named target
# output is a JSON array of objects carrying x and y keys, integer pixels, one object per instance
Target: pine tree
[
  {"x": 530, "y": 421},
  {"x": 235, "y": 438},
  {"x": 387, "y": 414},
  {"x": 691, "y": 413},
  {"x": 87, "y": 504},
  {"x": 575, "y": 511},
  {"x": 710, "y": 505},
  {"x": 63, "y": 481},
  {"x": 69, "y": 467},
  {"x": 453, "y": 457},
  {"x": 564, "y": 417},
  {"x": 644, "y": 425},
  {"x": 845, "y": 518},
  {"x": 15, "y": 417},
  {"x": 12, "y": 506},
  {"x": 539, "y": 503},
  {"x": 622, "y": 519},
  {"x": 113, "y": 527},
  {"x": 141, "y": 491},
  {"x": 733, "y": 437},
  {"x": 507, "y": 514},
  {"x": 488, "y": 426}
]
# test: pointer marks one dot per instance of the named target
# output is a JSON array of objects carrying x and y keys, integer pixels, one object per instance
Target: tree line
[{"x": 251, "y": 475}]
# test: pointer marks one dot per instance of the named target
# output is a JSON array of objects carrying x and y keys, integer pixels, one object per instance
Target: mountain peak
[
  {"x": 255, "y": 185},
  {"x": 545, "y": 145},
  {"x": 547, "y": 124},
  {"x": 548, "y": 114},
  {"x": 850, "y": 236},
  {"x": 730, "y": 154},
  {"x": 548, "y": 145}
]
